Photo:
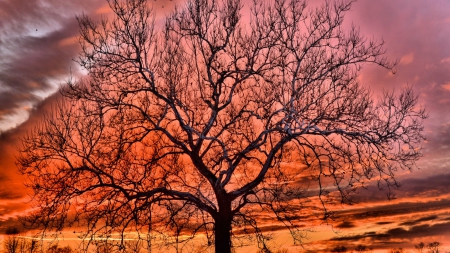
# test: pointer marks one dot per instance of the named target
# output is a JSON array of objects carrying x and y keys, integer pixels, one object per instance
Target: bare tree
[
  {"x": 216, "y": 118},
  {"x": 13, "y": 242},
  {"x": 396, "y": 250},
  {"x": 420, "y": 247},
  {"x": 433, "y": 247},
  {"x": 55, "y": 248},
  {"x": 339, "y": 249},
  {"x": 360, "y": 248},
  {"x": 104, "y": 246}
]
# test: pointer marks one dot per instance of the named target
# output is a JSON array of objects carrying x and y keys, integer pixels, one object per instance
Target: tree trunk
[
  {"x": 222, "y": 234},
  {"x": 222, "y": 223}
]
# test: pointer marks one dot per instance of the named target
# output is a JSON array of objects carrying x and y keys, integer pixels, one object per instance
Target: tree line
[
  {"x": 421, "y": 247},
  {"x": 13, "y": 242}
]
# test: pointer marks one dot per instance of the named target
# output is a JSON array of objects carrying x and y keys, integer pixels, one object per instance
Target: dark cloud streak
[
  {"x": 419, "y": 231},
  {"x": 418, "y": 221}
]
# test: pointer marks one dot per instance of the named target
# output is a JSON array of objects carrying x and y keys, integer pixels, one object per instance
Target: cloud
[
  {"x": 416, "y": 185},
  {"x": 37, "y": 53},
  {"x": 13, "y": 193},
  {"x": 389, "y": 210},
  {"x": 38, "y": 42},
  {"x": 446, "y": 86},
  {"x": 407, "y": 59},
  {"x": 420, "y": 220},
  {"x": 420, "y": 231},
  {"x": 417, "y": 38},
  {"x": 445, "y": 60},
  {"x": 11, "y": 184},
  {"x": 346, "y": 224},
  {"x": 384, "y": 222}
]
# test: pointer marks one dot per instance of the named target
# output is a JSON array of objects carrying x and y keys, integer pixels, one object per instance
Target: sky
[{"x": 38, "y": 45}]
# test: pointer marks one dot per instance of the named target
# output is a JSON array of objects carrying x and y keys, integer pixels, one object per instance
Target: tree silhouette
[
  {"x": 433, "y": 247},
  {"x": 339, "y": 249},
  {"x": 420, "y": 247},
  {"x": 55, "y": 248},
  {"x": 361, "y": 248},
  {"x": 13, "y": 242},
  {"x": 396, "y": 250},
  {"x": 204, "y": 124}
]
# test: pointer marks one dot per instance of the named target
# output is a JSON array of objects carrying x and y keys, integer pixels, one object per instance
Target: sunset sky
[{"x": 38, "y": 45}]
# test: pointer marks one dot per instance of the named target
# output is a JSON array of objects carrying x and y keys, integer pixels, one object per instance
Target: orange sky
[{"x": 37, "y": 46}]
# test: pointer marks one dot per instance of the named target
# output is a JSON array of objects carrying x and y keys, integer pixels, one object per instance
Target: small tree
[
  {"x": 420, "y": 247},
  {"x": 11, "y": 241},
  {"x": 339, "y": 249},
  {"x": 433, "y": 247},
  {"x": 14, "y": 243},
  {"x": 55, "y": 248},
  {"x": 361, "y": 248},
  {"x": 191, "y": 128},
  {"x": 396, "y": 250}
]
